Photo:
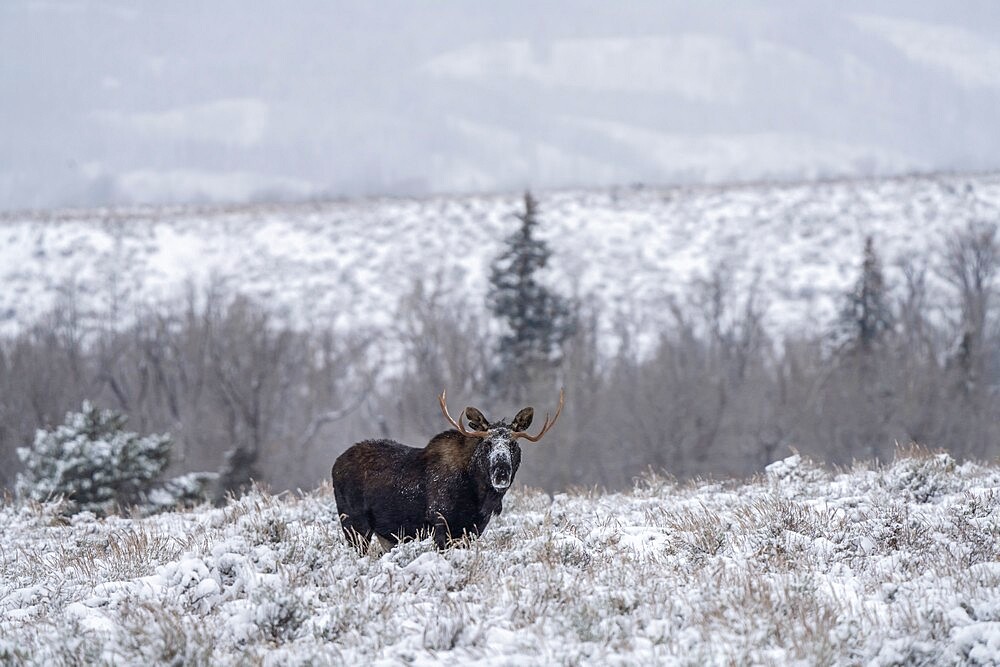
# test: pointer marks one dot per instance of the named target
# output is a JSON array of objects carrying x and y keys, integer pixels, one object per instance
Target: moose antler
[
  {"x": 546, "y": 425},
  {"x": 458, "y": 424}
]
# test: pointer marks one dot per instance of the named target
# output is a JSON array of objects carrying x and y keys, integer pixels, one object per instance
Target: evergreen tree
[
  {"x": 866, "y": 316},
  {"x": 538, "y": 320},
  {"x": 93, "y": 461}
]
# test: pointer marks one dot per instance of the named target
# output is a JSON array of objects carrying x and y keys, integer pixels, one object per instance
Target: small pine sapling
[{"x": 93, "y": 462}]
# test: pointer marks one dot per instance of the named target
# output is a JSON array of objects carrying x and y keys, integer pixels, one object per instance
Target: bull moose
[{"x": 450, "y": 488}]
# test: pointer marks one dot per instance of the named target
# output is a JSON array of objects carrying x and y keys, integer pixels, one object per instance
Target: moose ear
[
  {"x": 476, "y": 420},
  {"x": 523, "y": 419}
]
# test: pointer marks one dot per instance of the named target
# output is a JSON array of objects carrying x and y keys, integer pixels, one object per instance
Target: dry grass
[{"x": 796, "y": 566}]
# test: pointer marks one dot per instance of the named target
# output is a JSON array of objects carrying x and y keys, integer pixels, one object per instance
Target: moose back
[{"x": 451, "y": 488}]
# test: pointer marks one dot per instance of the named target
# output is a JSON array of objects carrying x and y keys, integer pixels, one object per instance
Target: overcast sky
[{"x": 115, "y": 102}]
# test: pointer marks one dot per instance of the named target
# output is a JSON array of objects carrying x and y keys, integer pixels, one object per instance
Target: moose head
[{"x": 497, "y": 454}]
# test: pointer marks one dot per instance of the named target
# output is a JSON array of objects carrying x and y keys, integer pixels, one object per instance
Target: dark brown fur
[{"x": 392, "y": 491}]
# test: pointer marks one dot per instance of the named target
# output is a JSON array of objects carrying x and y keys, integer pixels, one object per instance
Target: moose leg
[
  {"x": 385, "y": 542},
  {"x": 360, "y": 541},
  {"x": 442, "y": 532},
  {"x": 441, "y": 536},
  {"x": 358, "y": 533}
]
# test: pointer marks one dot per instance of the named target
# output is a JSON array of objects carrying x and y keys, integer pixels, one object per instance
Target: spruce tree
[
  {"x": 537, "y": 320},
  {"x": 93, "y": 461},
  {"x": 866, "y": 315}
]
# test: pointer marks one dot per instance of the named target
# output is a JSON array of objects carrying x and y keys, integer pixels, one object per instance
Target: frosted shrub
[
  {"x": 278, "y": 611},
  {"x": 795, "y": 468},
  {"x": 186, "y": 490},
  {"x": 93, "y": 461},
  {"x": 922, "y": 475}
]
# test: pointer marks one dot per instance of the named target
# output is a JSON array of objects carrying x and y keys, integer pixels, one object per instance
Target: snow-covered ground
[
  {"x": 881, "y": 566},
  {"x": 347, "y": 264}
]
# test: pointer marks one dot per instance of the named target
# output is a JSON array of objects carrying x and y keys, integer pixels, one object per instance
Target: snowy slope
[
  {"x": 886, "y": 566},
  {"x": 347, "y": 263}
]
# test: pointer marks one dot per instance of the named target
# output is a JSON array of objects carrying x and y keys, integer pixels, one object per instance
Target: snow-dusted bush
[
  {"x": 185, "y": 490},
  {"x": 922, "y": 474},
  {"x": 278, "y": 611},
  {"x": 795, "y": 468},
  {"x": 99, "y": 466}
]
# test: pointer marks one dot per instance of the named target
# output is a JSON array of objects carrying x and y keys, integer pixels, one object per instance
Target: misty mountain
[{"x": 107, "y": 102}]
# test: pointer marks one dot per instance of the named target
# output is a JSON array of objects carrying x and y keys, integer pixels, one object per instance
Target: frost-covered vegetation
[
  {"x": 94, "y": 465},
  {"x": 712, "y": 328},
  {"x": 629, "y": 250},
  {"x": 874, "y": 565}
]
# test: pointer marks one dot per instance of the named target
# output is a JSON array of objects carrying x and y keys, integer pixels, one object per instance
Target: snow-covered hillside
[
  {"x": 884, "y": 566},
  {"x": 348, "y": 263}
]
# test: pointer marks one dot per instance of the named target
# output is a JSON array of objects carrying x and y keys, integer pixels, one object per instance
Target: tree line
[{"x": 715, "y": 394}]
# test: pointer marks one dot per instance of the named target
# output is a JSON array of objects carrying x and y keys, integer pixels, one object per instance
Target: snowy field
[
  {"x": 880, "y": 566},
  {"x": 347, "y": 264}
]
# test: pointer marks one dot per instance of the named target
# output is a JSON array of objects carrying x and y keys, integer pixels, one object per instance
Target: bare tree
[
  {"x": 971, "y": 259},
  {"x": 712, "y": 395}
]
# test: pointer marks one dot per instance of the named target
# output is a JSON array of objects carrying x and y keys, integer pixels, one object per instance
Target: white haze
[{"x": 121, "y": 102}]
